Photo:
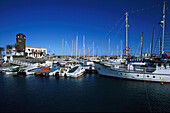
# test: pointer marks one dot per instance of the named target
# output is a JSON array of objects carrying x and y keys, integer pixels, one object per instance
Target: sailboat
[{"x": 141, "y": 69}]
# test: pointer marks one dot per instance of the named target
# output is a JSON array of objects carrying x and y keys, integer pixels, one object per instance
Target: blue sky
[{"x": 46, "y": 22}]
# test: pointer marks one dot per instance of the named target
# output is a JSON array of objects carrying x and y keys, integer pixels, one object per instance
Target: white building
[{"x": 36, "y": 52}]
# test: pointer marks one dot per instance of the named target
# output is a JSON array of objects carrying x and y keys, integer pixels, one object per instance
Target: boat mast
[
  {"x": 72, "y": 49},
  {"x": 79, "y": 53},
  {"x": 62, "y": 46},
  {"x": 76, "y": 45},
  {"x": 121, "y": 49},
  {"x": 163, "y": 30},
  {"x": 152, "y": 40},
  {"x": 84, "y": 45},
  {"x": 117, "y": 50},
  {"x": 141, "y": 45},
  {"x": 88, "y": 51},
  {"x": 97, "y": 51},
  {"x": 102, "y": 49},
  {"x": 65, "y": 47},
  {"x": 109, "y": 48},
  {"x": 126, "y": 32},
  {"x": 93, "y": 48}
]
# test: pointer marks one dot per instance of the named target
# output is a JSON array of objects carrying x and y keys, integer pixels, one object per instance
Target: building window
[
  {"x": 28, "y": 49},
  {"x": 147, "y": 75},
  {"x": 153, "y": 76},
  {"x": 137, "y": 75}
]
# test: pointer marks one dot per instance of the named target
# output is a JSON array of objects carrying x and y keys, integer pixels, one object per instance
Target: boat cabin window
[{"x": 73, "y": 69}]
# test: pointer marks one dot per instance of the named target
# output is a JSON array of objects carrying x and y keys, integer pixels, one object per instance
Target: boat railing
[{"x": 135, "y": 69}]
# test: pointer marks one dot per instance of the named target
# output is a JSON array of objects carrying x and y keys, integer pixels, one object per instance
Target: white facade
[
  {"x": 35, "y": 51},
  {"x": 30, "y": 51}
]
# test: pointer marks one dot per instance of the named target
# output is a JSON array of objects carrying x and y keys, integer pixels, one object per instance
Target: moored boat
[
  {"x": 52, "y": 71},
  {"x": 42, "y": 71},
  {"x": 13, "y": 71},
  {"x": 31, "y": 72},
  {"x": 24, "y": 71},
  {"x": 75, "y": 72}
]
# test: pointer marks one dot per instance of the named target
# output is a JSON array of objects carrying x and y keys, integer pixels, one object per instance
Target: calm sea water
[{"x": 90, "y": 92}]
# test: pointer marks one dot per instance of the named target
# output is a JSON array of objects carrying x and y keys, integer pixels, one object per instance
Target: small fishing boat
[
  {"x": 42, "y": 71},
  {"x": 52, "y": 71},
  {"x": 31, "y": 72},
  {"x": 76, "y": 72},
  {"x": 13, "y": 71},
  {"x": 4, "y": 69},
  {"x": 24, "y": 71},
  {"x": 55, "y": 73}
]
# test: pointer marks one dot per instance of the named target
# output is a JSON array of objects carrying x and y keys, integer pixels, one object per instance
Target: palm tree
[
  {"x": 1, "y": 49},
  {"x": 9, "y": 47}
]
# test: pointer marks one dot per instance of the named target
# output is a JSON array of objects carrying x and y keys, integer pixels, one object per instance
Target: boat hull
[{"x": 153, "y": 77}]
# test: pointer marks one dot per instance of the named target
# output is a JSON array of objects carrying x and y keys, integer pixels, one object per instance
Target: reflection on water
[{"x": 90, "y": 92}]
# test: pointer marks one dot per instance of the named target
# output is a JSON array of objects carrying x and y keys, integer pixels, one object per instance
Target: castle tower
[{"x": 20, "y": 39}]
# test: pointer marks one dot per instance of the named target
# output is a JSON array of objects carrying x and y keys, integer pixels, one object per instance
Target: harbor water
[{"x": 89, "y": 93}]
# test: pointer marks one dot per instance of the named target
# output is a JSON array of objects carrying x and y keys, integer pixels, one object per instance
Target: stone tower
[{"x": 20, "y": 39}]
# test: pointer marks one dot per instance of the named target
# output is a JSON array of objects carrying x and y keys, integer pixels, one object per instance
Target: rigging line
[
  {"x": 167, "y": 9},
  {"x": 68, "y": 47},
  {"x": 143, "y": 9},
  {"x": 137, "y": 33},
  {"x": 137, "y": 50},
  {"x": 157, "y": 40},
  {"x": 120, "y": 29},
  {"x": 108, "y": 32},
  {"x": 146, "y": 91}
]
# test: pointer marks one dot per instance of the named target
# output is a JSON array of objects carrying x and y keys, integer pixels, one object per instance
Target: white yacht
[{"x": 135, "y": 72}]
